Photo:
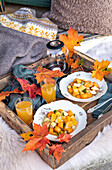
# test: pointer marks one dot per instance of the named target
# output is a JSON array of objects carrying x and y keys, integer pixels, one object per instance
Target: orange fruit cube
[
  {"x": 57, "y": 129},
  {"x": 70, "y": 113}
]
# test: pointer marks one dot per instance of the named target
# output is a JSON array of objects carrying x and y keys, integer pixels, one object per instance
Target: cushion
[{"x": 83, "y": 15}]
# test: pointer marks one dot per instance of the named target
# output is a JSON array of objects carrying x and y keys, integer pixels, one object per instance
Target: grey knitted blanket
[
  {"x": 23, "y": 38},
  {"x": 19, "y": 48}
]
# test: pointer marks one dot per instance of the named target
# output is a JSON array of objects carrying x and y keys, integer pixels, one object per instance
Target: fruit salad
[
  {"x": 83, "y": 89},
  {"x": 60, "y": 121}
]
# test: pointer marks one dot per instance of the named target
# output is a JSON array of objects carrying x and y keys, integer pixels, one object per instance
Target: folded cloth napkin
[
  {"x": 103, "y": 108},
  {"x": 19, "y": 44},
  {"x": 26, "y": 73}
]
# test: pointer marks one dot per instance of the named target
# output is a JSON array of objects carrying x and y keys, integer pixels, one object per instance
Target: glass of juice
[
  {"x": 48, "y": 89},
  {"x": 24, "y": 109}
]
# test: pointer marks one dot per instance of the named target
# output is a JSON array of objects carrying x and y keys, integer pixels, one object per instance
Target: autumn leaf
[
  {"x": 101, "y": 69},
  {"x": 4, "y": 94},
  {"x": 77, "y": 63},
  {"x": 7, "y": 93},
  {"x": 45, "y": 73},
  {"x": 17, "y": 91},
  {"x": 27, "y": 136},
  {"x": 37, "y": 138},
  {"x": 56, "y": 150},
  {"x": 40, "y": 130},
  {"x": 36, "y": 143},
  {"x": 32, "y": 89},
  {"x": 71, "y": 40},
  {"x": 64, "y": 137}
]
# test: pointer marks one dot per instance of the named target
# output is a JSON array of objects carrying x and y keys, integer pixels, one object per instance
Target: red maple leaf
[
  {"x": 32, "y": 89},
  {"x": 37, "y": 138},
  {"x": 7, "y": 93},
  {"x": 45, "y": 73},
  {"x": 64, "y": 137},
  {"x": 56, "y": 150}
]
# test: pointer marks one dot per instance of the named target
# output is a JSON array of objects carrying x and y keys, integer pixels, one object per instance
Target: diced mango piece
[
  {"x": 51, "y": 130},
  {"x": 50, "y": 113},
  {"x": 68, "y": 117},
  {"x": 70, "y": 130},
  {"x": 75, "y": 92},
  {"x": 79, "y": 81},
  {"x": 78, "y": 96},
  {"x": 57, "y": 113},
  {"x": 60, "y": 110},
  {"x": 74, "y": 87},
  {"x": 72, "y": 83},
  {"x": 60, "y": 124},
  {"x": 62, "y": 118},
  {"x": 86, "y": 95},
  {"x": 54, "y": 133},
  {"x": 86, "y": 84},
  {"x": 74, "y": 122},
  {"x": 95, "y": 84},
  {"x": 68, "y": 124},
  {"x": 59, "y": 119},
  {"x": 53, "y": 117},
  {"x": 70, "y": 90},
  {"x": 90, "y": 83},
  {"x": 82, "y": 87},
  {"x": 57, "y": 129},
  {"x": 75, "y": 80},
  {"x": 70, "y": 113}
]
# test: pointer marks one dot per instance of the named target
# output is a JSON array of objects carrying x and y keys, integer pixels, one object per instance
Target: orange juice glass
[
  {"x": 24, "y": 109},
  {"x": 48, "y": 89}
]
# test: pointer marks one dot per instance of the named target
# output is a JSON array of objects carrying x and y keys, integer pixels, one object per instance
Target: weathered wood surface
[
  {"x": 85, "y": 137},
  {"x": 12, "y": 119},
  {"x": 80, "y": 140}
]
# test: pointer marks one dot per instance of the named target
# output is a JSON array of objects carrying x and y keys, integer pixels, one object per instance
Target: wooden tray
[{"x": 80, "y": 140}]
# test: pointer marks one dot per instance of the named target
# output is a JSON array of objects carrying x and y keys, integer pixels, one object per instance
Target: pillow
[{"x": 89, "y": 16}]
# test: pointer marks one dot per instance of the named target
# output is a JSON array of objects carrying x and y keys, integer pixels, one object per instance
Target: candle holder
[{"x": 56, "y": 59}]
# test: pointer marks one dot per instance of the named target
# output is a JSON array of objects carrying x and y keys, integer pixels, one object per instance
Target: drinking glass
[
  {"x": 48, "y": 89},
  {"x": 24, "y": 109}
]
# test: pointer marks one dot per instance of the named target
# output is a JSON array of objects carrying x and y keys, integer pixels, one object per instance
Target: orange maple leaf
[
  {"x": 7, "y": 93},
  {"x": 45, "y": 73},
  {"x": 37, "y": 138},
  {"x": 56, "y": 150},
  {"x": 3, "y": 95},
  {"x": 101, "y": 69},
  {"x": 73, "y": 39},
  {"x": 77, "y": 63},
  {"x": 64, "y": 137},
  {"x": 32, "y": 89},
  {"x": 36, "y": 143},
  {"x": 27, "y": 136}
]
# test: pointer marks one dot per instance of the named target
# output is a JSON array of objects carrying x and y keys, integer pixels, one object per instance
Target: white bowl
[
  {"x": 82, "y": 75},
  {"x": 80, "y": 115}
]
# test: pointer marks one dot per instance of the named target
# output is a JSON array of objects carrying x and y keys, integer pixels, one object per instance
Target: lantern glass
[{"x": 56, "y": 58}]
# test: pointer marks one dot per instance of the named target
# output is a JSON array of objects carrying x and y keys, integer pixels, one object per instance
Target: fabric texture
[
  {"x": 107, "y": 106},
  {"x": 23, "y": 38},
  {"x": 96, "y": 156},
  {"x": 83, "y": 15},
  {"x": 19, "y": 48},
  {"x": 24, "y": 72},
  {"x": 24, "y": 20}
]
